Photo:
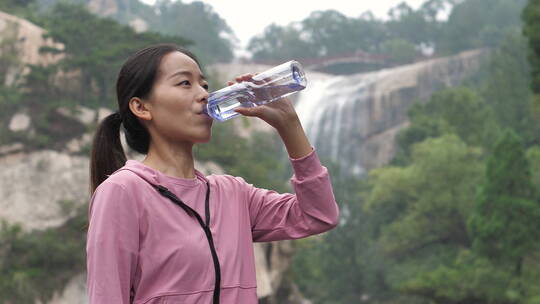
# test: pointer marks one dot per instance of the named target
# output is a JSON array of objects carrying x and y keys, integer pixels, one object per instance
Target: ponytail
[{"x": 107, "y": 152}]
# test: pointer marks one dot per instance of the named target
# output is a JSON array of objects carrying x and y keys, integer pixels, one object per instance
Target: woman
[{"x": 162, "y": 232}]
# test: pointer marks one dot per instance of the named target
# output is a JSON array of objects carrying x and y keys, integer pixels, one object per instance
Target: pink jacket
[{"x": 141, "y": 245}]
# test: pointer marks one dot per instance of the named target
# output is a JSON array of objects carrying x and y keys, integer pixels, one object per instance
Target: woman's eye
[
  {"x": 205, "y": 86},
  {"x": 185, "y": 82}
]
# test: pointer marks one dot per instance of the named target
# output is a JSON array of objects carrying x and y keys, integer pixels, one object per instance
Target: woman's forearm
[{"x": 295, "y": 139}]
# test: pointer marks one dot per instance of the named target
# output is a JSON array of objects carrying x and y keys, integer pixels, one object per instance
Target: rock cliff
[
  {"x": 111, "y": 8},
  {"x": 23, "y": 38},
  {"x": 354, "y": 119}
]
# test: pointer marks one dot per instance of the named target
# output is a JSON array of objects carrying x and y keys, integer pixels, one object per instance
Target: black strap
[{"x": 205, "y": 226}]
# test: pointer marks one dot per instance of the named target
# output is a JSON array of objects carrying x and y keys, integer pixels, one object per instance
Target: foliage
[
  {"x": 36, "y": 264},
  {"x": 506, "y": 221},
  {"x": 533, "y": 156},
  {"x": 429, "y": 242},
  {"x": 502, "y": 227},
  {"x": 278, "y": 43},
  {"x": 430, "y": 197},
  {"x": 531, "y": 29},
  {"x": 213, "y": 40},
  {"x": 210, "y": 36},
  {"x": 468, "y": 279},
  {"x": 507, "y": 89},
  {"x": 454, "y": 218},
  {"x": 458, "y": 111},
  {"x": 337, "y": 252},
  {"x": 399, "y": 51},
  {"x": 96, "y": 54},
  {"x": 323, "y": 33},
  {"x": 403, "y": 37},
  {"x": 472, "y": 25},
  {"x": 406, "y": 222},
  {"x": 17, "y": 7},
  {"x": 92, "y": 51}
]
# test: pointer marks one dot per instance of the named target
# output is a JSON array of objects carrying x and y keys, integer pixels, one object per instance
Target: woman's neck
[{"x": 175, "y": 161}]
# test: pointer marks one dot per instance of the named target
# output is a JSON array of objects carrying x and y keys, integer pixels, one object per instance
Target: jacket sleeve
[
  {"x": 312, "y": 210},
  {"x": 112, "y": 245}
]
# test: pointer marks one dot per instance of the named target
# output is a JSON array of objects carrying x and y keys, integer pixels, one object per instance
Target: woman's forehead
[{"x": 176, "y": 61}]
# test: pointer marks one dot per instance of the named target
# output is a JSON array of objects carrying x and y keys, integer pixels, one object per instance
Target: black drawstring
[{"x": 205, "y": 226}]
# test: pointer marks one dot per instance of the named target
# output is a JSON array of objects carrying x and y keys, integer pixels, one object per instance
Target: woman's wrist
[{"x": 295, "y": 139}]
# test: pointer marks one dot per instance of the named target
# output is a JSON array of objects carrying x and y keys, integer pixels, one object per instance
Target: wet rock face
[{"x": 354, "y": 119}]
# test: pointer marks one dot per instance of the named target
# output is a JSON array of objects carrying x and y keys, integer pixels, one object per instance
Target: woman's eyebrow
[{"x": 186, "y": 73}]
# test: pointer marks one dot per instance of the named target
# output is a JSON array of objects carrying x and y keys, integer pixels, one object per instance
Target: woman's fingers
[
  {"x": 252, "y": 112},
  {"x": 244, "y": 77}
]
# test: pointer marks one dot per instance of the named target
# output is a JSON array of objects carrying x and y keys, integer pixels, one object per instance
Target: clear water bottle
[{"x": 277, "y": 82}]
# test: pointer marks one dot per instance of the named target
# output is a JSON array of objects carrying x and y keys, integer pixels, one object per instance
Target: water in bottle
[{"x": 278, "y": 82}]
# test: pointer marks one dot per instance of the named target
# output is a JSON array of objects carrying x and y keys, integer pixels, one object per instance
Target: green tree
[
  {"x": 94, "y": 48},
  {"x": 479, "y": 23},
  {"x": 412, "y": 26},
  {"x": 507, "y": 87},
  {"x": 418, "y": 213},
  {"x": 329, "y": 33},
  {"x": 506, "y": 220},
  {"x": 36, "y": 264},
  {"x": 279, "y": 43},
  {"x": 331, "y": 268},
  {"x": 213, "y": 39},
  {"x": 533, "y": 156},
  {"x": 322, "y": 33},
  {"x": 459, "y": 111},
  {"x": 531, "y": 29},
  {"x": 466, "y": 279},
  {"x": 17, "y": 7},
  {"x": 399, "y": 51},
  {"x": 332, "y": 33}
]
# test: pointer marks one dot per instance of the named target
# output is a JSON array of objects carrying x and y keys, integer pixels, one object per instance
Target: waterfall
[
  {"x": 326, "y": 109},
  {"x": 352, "y": 120}
]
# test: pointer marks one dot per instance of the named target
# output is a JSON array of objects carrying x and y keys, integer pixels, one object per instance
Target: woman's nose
[{"x": 203, "y": 94}]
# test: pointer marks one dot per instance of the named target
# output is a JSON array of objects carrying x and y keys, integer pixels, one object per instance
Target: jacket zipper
[{"x": 204, "y": 225}]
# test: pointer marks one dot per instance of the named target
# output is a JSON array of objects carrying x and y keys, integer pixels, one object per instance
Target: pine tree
[{"x": 505, "y": 225}]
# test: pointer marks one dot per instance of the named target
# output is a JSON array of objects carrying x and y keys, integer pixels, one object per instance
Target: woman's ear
[{"x": 140, "y": 108}]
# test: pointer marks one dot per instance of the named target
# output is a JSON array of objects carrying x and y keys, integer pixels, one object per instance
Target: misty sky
[{"x": 248, "y": 18}]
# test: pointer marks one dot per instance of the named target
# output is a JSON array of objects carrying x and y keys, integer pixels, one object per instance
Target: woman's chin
[{"x": 204, "y": 139}]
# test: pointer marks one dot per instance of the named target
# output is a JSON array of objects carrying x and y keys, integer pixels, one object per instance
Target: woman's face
[{"x": 177, "y": 99}]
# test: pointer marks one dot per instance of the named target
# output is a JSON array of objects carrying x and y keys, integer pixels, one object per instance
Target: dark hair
[{"x": 136, "y": 79}]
